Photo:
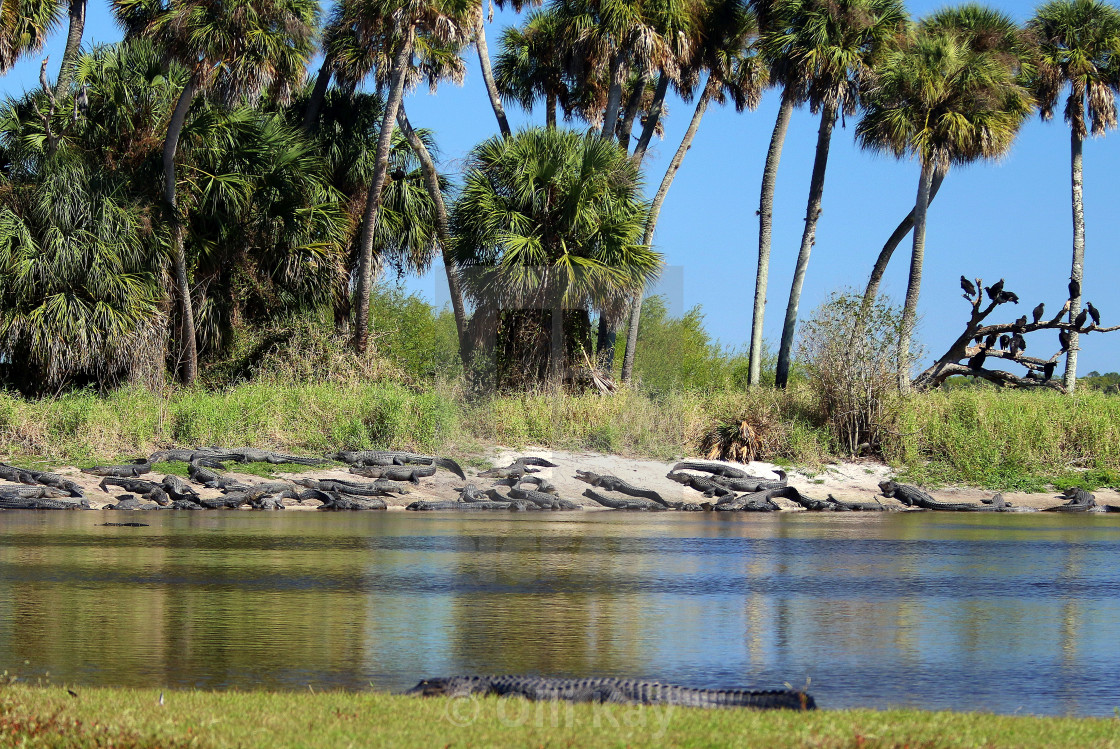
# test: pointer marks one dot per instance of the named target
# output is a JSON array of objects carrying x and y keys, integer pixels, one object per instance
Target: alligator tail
[{"x": 452, "y": 466}]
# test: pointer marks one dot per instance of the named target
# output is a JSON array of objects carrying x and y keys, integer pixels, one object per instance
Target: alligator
[
  {"x": 411, "y": 474},
  {"x": 212, "y": 480},
  {"x": 615, "y": 484},
  {"x": 717, "y": 469},
  {"x": 829, "y": 504},
  {"x": 343, "y": 501},
  {"x": 178, "y": 489},
  {"x": 629, "y": 691},
  {"x": 16, "y": 502},
  {"x": 470, "y": 493},
  {"x": 377, "y": 488},
  {"x": 912, "y": 496},
  {"x": 753, "y": 484},
  {"x": 229, "y": 501},
  {"x": 130, "y": 502},
  {"x": 138, "y": 467},
  {"x": 542, "y": 485},
  {"x": 998, "y": 504},
  {"x": 40, "y": 478},
  {"x": 126, "y": 525},
  {"x": 753, "y": 502},
  {"x": 635, "y": 505},
  {"x": 701, "y": 484},
  {"x": 514, "y": 470},
  {"x": 520, "y": 505},
  {"x": 1079, "y": 501},
  {"x": 33, "y": 492},
  {"x": 395, "y": 458},
  {"x": 147, "y": 489},
  {"x": 183, "y": 504},
  {"x": 268, "y": 503},
  {"x": 253, "y": 455},
  {"x": 542, "y": 500}
]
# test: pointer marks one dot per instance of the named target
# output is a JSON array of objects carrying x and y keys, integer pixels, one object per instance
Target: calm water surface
[{"x": 995, "y": 612}]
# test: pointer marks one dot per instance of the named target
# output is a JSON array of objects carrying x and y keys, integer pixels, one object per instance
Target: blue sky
[{"x": 1009, "y": 219}]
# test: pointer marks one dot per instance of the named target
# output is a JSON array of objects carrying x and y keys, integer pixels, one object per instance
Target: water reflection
[{"x": 1002, "y": 613}]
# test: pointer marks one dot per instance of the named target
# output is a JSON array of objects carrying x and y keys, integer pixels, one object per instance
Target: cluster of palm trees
[{"x": 167, "y": 189}]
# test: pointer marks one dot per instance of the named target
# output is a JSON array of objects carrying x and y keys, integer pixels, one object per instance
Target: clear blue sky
[{"x": 1008, "y": 219}]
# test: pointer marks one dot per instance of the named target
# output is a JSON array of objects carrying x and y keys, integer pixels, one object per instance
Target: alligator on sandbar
[
  {"x": 395, "y": 458},
  {"x": 634, "y": 504},
  {"x": 412, "y": 474},
  {"x": 138, "y": 467},
  {"x": 626, "y": 691},
  {"x": 615, "y": 484},
  {"x": 912, "y": 496}
]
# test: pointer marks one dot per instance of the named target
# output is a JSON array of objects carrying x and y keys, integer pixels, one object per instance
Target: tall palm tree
[
  {"x": 1079, "y": 48},
  {"x": 551, "y": 219},
  {"x": 940, "y": 100},
  {"x": 985, "y": 31},
  {"x": 834, "y": 46},
  {"x": 727, "y": 53},
  {"x": 530, "y": 65},
  {"x": 24, "y": 26},
  {"x": 399, "y": 25},
  {"x": 233, "y": 49}
]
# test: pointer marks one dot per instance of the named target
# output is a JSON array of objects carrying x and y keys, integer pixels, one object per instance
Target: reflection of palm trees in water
[{"x": 1073, "y": 627}]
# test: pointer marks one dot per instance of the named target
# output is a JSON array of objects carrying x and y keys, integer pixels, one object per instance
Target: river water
[{"x": 1004, "y": 613}]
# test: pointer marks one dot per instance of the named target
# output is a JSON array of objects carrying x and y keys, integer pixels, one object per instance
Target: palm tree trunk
[
  {"x": 655, "y": 211},
  {"x": 631, "y": 111},
  {"x": 488, "y": 73},
  {"x": 373, "y": 199},
  {"x": 73, "y": 45},
  {"x": 652, "y": 118},
  {"x": 1069, "y": 379},
  {"x": 188, "y": 362},
  {"x": 558, "y": 354},
  {"x": 765, "y": 225},
  {"x": 914, "y": 286},
  {"x": 315, "y": 102},
  {"x": 892, "y": 244},
  {"x": 614, "y": 97},
  {"x": 808, "y": 239},
  {"x": 431, "y": 182},
  {"x": 550, "y": 111}
]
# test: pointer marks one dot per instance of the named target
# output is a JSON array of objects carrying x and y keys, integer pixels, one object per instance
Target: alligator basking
[
  {"x": 542, "y": 485},
  {"x": 341, "y": 501},
  {"x": 717, "y": 469},
  {"x": 630, "y": 691},
  {"x": 178, "y": 489},
  {"x": 138, "y": 467},
  {"x": 127, "y": 525},
  {"x": 33, "y": 492},
  {"x": 540, "y": 499},
  {"x": 634, "y": 504},
  {"x": 1079, "y": 501},
  {"x": 40, "y": 478},
  {"x": 912, "y": 496},
  {"x": 147, "y": 489},
  {"x": 130, "y": 502},
  {"x": 411, "y": 474},
  {"x": 522, "y": 505},
  {"x": 829, "y": 504},
  {"x": 395, "y": 458},
  {"x": 377, "y": 488},
  {"x": 701, "y": 484},
  {"x": 16, "y": 502},
  {"x": 753, "y": 502},
  {"x": 518, "y": 468},
  {"x": 753, "y": 483},
  {"x": 615, "y": 484}
]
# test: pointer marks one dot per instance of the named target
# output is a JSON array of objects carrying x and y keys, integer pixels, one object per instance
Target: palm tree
[
  {"x": 832, "y": 47},
  {"x": 530, "y": 65},
  {"x": 727, "y": 53},
  {"x": 986, "y": 31},
  {"x": 1079, "y": 47},
  {"x": 399, "y": 26},
  {"x": 24, "y": 26},
  {"x": 550, "y": 219},
  {"x": 939, "y": 99},
  {"x": 234, "y": 49}
]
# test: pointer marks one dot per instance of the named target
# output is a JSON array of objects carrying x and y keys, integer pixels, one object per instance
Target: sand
[{"x": 851, "y": 481}]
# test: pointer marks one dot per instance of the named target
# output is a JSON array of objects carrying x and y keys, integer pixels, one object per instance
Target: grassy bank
[
  {"x": 51, "y": 717},
  {"x": 983, "y": 437}
]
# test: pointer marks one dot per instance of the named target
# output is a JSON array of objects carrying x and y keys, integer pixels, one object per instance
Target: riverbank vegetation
[{"x": 135, "y": 718}]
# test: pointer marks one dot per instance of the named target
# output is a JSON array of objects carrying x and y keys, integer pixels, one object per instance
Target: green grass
[{"x": 50, "y": 717}]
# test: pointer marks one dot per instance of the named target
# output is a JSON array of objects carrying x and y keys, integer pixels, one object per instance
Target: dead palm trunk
[
  {"x": 488, "y": 73},
  {"x": 373, "y": 199},
  {"x": 765, "y": 226},
  {"x": 655, "y": 211},
  {"x": 315, "y": 101},
  {"x": 1069, "y": 379},
  {"x": 188, "y": 361},
  {"x": 808, "y": 239},
  {"x": 914, "y": 286},
  {"x": 431, "y": 182},
  {"x": 652, "y": 118},
  {"x": 631, "y": 111},
  {"x": 73, "y": 45}
]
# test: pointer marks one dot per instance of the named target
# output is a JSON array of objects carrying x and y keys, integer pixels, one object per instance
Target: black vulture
[
  {"x": 1021, "y": 323},
  {"x": 1038, "y": 312},
  {"x": 977, "y": 361},
  {"x": 994, "y": 289},
  {"x": 1048, "y": 370},
  {"x": 1074, "y": 289},
  {"x": 1079, "y": 321},
  {"x": 1093, "y": 313},
  {"x": 1063, "y": 338},
  {"x": 1004, "y": 340},
  {"x": 968, "y": 287}
]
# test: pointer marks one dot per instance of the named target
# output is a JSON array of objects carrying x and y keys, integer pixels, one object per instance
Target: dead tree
[{"x": 982, "y": 343}]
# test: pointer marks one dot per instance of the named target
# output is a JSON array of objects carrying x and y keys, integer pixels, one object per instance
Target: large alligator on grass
[
  {"x": 626, "y": 691},
  {"x": 395, "y": 458},
  {"x": 213, "y": 456},
  {"x": 138, "y": 467}
]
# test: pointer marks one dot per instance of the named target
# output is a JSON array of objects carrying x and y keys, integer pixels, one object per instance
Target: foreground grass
[
  {"x": 980, "y": 437},
  {"x": 52, "y": 717}
]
